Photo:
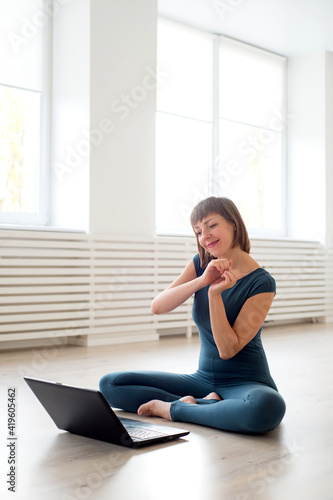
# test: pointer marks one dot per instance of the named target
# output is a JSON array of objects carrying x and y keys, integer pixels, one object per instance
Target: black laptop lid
[{"x": 67, "y": 406}]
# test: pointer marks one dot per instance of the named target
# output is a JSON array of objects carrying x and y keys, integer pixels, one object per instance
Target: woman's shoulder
[
  {"x": 197, "y": 265},
  {"x": 260, "y": 281}
]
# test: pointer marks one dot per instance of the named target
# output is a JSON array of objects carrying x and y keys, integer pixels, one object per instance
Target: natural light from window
[
  {"x": 24, "y": 128},
  {"x": 184, "y": 124},
  {"x": 220, "y": 129},
  {"x": 19, "y": 150}
]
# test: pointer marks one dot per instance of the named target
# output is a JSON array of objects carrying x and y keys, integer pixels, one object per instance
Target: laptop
[{"x": 87, "y": 413}]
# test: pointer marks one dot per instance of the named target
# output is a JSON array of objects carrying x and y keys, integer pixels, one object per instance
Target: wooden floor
[{"x": 293, "y": 462}]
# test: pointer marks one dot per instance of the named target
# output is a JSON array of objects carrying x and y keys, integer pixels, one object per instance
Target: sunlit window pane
[
  {"x": 21, "y": 42},
  {"x": 19, "y": 150},
  {"x": 25, "y": 52},
  {"x": 186, "y": 58},
  {"x": 228, "y": 142},
  {"x": 251, "y": 174},
  {"x": 183, "y": 158},
  {"x": 251, "y": 84}
]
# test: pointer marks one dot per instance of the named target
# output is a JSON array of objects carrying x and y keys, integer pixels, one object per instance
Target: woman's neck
[{"x": 241, "y": 261}]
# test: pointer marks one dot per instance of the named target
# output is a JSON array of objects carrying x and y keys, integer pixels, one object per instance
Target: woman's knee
[
  {"x": 107, "y": 384},
  {"x": 124, "y": 390},
  {"x": 267, "y": 409}
]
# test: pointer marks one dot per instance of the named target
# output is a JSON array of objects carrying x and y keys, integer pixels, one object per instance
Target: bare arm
[
  {"x": 178, "y": 292},
  {"x": 185, "y": 286},
  {"x": 231, "y": 339}
]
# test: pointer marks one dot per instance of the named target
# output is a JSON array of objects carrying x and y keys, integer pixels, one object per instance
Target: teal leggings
[{"x": 246, "y": 407}]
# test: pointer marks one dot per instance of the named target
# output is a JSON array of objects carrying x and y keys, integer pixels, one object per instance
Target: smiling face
[
  {"x": 215, "y": 234},
  {"x": 226, "y": 226}
]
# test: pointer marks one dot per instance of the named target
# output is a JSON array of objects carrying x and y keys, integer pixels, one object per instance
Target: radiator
[{"x": 95, "y": 289}]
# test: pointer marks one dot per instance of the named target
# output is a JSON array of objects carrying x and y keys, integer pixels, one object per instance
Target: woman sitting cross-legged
[{"x": 232, "y": 388}]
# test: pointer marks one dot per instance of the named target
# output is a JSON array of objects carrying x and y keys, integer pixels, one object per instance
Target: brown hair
[{"x": 227, "y": 209}]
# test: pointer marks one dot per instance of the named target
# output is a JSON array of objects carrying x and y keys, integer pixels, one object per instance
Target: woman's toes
[
  {"x": 213, "y": 395},
  {"x": 147, "y": 409},
  {"x": 155, "y": 408},
  {"x": 188, "y": 399}
]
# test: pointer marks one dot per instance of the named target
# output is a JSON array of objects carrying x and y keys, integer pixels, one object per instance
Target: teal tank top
[{"x": 250, "y": 364}]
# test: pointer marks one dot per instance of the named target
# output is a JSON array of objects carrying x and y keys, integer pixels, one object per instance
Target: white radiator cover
[{"x": 98, "y": 289}]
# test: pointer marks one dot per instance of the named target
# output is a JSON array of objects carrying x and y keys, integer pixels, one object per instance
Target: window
[
  {"x": 184, "y": 123},
  {"x": 220, "y": 129},
  {"x": 251, "y": 140},
  {"x": 23, "y": 111}
]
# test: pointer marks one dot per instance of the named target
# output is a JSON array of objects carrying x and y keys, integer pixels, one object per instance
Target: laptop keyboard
[{"x": 141, "y": 433}]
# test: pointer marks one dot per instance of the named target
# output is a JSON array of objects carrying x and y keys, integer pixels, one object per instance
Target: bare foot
[
  {"x": 213, "y": 395},
  {"x": 155, "y": 408},
  {"x": 189, "y": 399}
]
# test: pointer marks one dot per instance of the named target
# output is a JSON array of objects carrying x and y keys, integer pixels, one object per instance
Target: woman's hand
[
  {"x": 214, "y": 271},
  {"x": 217, "y": 273},
  {"x": 227, "y": 280}
]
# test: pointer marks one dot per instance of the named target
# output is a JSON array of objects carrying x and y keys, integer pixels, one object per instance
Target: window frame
[
  {"x": 212, "y": 157},
  {"x": 266, "y": 232},
  {"x": 42, "y": 217},
  {"x": 214, "y": 170}
]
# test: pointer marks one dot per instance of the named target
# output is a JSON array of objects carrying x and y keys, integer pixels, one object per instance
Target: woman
[{"x": 232, "y": 389}]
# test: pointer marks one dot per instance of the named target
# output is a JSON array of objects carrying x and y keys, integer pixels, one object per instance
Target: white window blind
[
  {"x": 184, "y": 124},
  {"x": 251, "y": 133},
  {"x": 220, "y": 129},
  {"x": 23, "y": 117}
]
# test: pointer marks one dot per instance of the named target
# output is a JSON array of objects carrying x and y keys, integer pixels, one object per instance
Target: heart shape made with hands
[{"x": 224, "y": 273}]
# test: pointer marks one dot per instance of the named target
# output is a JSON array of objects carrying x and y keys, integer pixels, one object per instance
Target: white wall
[
  {"x": 104, "y": 94},
  {"x": 329, "y": 151},
  {"x": 309, "y": 146},
  {"x": 123, "y": 96},
  {"x": 306, "y": 140},
  {"x": 329, "y": 184},
  {"x": 70, "y": 116},
  {"x": 103, "y": 121}
]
